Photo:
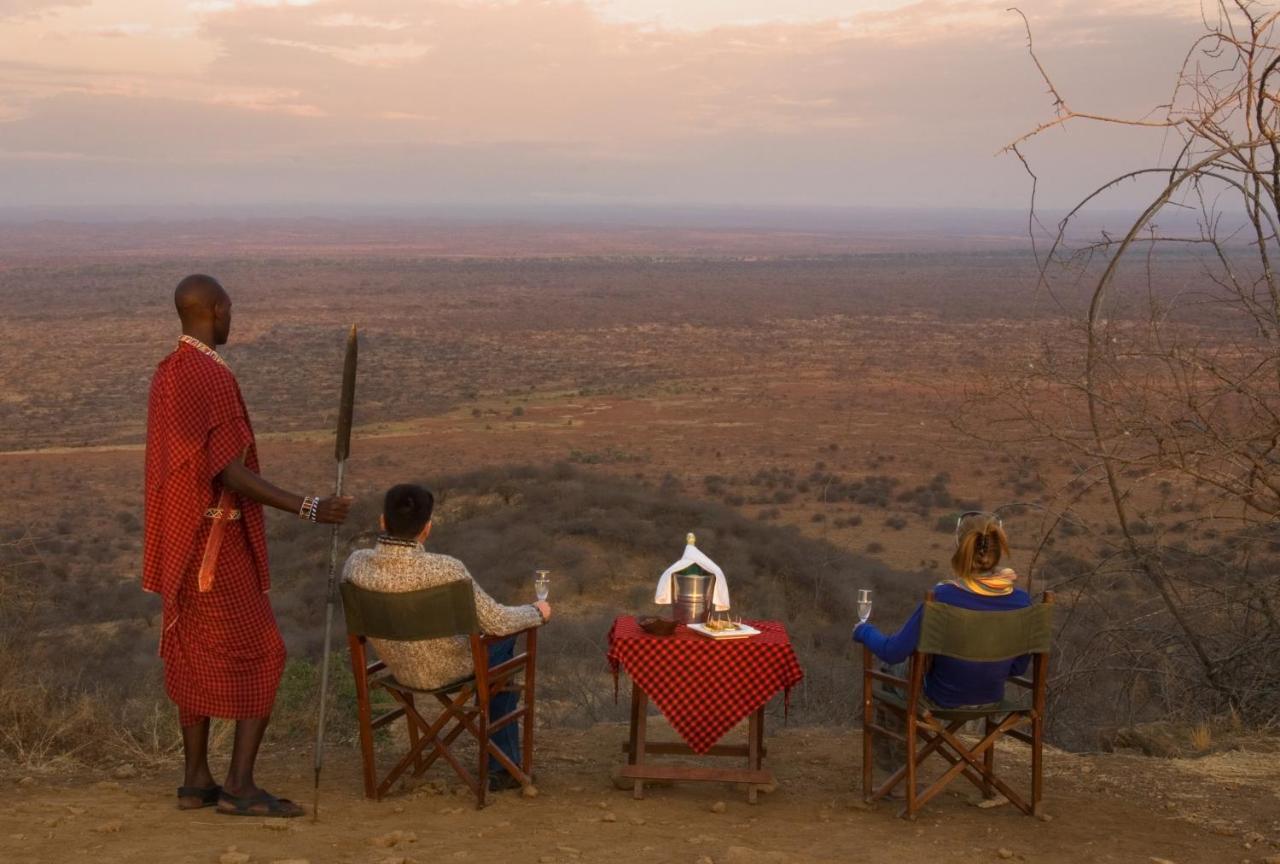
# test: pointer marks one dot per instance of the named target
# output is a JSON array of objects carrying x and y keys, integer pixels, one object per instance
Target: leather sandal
[{"x": 261, "y": 805}]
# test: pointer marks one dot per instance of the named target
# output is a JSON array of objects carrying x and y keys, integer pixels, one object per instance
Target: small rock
[
  {"x": 399, "y": 808},
  {"x": 547, "y": 859},
  {"x": 125, "y": 772},
  {"x": 291, "y": 861},
  {"x": 451, "y": 811},
  {"x": 768, "y": 788},
  {"x": 609, "y": 817},
  {"x": 1045, "y": 817},
  {"x": 1004, "y": 853},
  {"x": 396, "y": 859},
  {"x": 569, "y": 850},
  {"x": 277, "y": 825},
  {"x": 719, "y": 807},
  {"x": 748, "y": 855},
  {"x": 529, "y": 791},
  {"x": 112, "y": 827},
  {"x": 108, "y": 785},
  {"x": 76, "y": 811},
  {"x": 26, "y": 781},
  {"x": 394, "y": 838},
  {"x": 705, "y": 860},
  {"x": 1271, "y": 859},
  {"x": 233, "y": 858},
  {"x": 637, "y": 820},
  {"x": 1161, "y": 861}
]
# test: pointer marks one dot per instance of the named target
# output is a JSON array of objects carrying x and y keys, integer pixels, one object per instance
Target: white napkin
[{"x": 720, "y": 594}]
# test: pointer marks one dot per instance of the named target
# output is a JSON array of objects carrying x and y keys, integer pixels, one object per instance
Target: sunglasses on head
[{"x": 988, "y": 516}]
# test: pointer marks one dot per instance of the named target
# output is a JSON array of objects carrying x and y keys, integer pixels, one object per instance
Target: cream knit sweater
[{"x": 394, "y": 567}]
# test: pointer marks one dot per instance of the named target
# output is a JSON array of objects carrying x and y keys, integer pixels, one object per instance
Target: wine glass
[
  {"x": 864, "y": 605},
  {"x": 542, "y": 584}
]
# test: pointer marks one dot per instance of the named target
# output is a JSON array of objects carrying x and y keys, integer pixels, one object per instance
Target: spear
[{"x": 342, "y": 449}]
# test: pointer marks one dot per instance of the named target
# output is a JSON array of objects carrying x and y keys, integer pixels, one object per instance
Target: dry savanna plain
[{"x": 816, "y": 405}]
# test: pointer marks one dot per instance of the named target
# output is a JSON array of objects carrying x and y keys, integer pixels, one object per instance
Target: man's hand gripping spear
[{"x": 341, "y": 450}]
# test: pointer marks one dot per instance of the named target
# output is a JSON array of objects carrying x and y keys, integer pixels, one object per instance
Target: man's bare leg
[
  {"x": 244, "y": 753},
  {"x": 195, "y": 751}
]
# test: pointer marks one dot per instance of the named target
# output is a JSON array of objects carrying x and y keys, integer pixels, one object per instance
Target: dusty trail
[{"x": 1102, "y": 809}]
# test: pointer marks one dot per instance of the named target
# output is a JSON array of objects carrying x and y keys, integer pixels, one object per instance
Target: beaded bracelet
[{"x": 310, "y": 508}]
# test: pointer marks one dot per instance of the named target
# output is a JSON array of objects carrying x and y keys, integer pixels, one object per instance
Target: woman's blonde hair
[{"x": 980, "y": 544}]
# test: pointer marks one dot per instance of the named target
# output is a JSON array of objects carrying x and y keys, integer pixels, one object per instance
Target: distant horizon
[{"x": 703, "y": 215}]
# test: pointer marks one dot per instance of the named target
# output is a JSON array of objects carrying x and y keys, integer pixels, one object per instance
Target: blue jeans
[{"x": 500, "y": 705}]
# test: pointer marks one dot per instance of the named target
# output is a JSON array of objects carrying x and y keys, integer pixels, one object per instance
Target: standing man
[{"x": 205, "y": 553}]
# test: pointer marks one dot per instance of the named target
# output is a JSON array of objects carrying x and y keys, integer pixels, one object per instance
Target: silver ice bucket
[{"x": 691, "y": 592}]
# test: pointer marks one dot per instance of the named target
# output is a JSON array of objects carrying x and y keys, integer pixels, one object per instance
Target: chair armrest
[
  {"x": 1022, "y": 682},
  {"x": 486, "y": 639},
  {"x": 375, "y": 666}
]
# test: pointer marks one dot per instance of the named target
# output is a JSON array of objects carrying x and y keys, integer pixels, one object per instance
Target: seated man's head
[
  {"x": 406, "y": 512},
  {"x": 980, "y": 544}
]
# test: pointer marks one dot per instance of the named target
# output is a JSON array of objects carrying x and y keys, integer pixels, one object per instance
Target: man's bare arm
[{"x": 239, "y": 479}]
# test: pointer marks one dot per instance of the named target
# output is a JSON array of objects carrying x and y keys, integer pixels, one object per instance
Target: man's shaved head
[{"x": 204, "y": 308}]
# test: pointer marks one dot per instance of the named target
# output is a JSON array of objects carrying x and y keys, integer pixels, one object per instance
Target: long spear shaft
[{"x": 342, "y": 449}]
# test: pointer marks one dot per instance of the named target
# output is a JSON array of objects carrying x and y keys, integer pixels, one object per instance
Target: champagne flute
[
  {"x": 864, "y": 605},
  {"x": 542, "y": 584}
]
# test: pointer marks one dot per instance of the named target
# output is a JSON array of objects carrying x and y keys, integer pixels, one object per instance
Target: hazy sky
[{"x": 532, "y": 102}]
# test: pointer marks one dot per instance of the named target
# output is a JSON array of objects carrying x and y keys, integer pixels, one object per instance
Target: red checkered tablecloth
[{"x": 703, "y": 686}]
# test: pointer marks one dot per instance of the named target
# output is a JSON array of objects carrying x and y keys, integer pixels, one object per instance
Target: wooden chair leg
[
  {"x": 911, "y": 766},
  {"x": 482, "y": 741},
  {"x": 530, "y": 697},
  {"x": 364, "y": 716},
  {"x": 988, "y": 761},
  {"x": 1037, "y": 766},
  {"x": 868, "y": 724}
]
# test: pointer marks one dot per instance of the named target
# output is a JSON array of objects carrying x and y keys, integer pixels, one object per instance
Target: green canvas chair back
[
  {"x": 968, "y": 634},
  {"x": 429, "y": 613}
]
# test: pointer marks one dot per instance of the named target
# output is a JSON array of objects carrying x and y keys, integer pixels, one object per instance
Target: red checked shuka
[{"x": 222, "y": 650}]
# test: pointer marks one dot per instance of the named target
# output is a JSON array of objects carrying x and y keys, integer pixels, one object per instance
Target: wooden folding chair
[
  {"x": 433, "y": 613},
  {"x": 968, "y": 635}
]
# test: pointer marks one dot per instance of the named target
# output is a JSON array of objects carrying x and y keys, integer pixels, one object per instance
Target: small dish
[{"x": 655, "y": 626}]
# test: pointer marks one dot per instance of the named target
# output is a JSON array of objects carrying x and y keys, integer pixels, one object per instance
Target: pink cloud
[{"x": 903, "y": 106}]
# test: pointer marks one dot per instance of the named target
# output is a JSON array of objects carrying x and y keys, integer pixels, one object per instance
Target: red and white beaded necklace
[{"x": 202, "y": 348}]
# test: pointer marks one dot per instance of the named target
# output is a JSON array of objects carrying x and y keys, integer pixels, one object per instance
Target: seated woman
[{"x": 950, "y": 683}]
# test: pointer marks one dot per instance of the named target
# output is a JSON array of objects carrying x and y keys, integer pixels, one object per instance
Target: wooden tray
[{"x": 743, "y": 631}]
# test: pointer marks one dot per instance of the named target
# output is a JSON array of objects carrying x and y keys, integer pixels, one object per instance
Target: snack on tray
[{"x": 718, "y": 625}]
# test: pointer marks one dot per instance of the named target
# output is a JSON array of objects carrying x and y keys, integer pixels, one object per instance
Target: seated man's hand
[
  {"x": 544, "y": 608},
  {"x": 333, "y": 510}
]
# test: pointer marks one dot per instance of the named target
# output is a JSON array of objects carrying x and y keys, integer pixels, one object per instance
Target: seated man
[
  {"x": 953, "y": 683},
  {"x": 397, "y": 564}
]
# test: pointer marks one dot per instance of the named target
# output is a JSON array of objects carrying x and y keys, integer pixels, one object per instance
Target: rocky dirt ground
[{"x": 1099, "y": 808}]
